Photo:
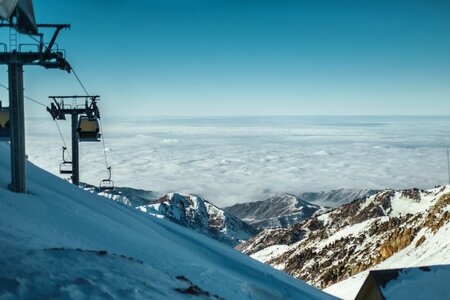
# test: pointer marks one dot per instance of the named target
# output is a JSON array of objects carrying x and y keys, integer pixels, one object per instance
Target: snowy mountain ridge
[
  {"x": 200, "y": 215},
  {"x": 286, "y": 210},
  {"x": 187, "y": 210},
  {"x": 378, "y": 230},
  {"x": 276, "y": 211},
  {"x": 59, "y": 241}
]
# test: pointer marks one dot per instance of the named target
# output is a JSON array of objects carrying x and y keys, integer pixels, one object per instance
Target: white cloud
[{"x": 237, "y": 159}]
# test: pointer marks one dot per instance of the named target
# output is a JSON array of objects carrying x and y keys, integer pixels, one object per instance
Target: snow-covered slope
[
  {"x": 59, "y": 241},
  {"x": 202, "y": 216},
  {"x": 389, "y": 229},
  {"x": 274, "y": 212}
]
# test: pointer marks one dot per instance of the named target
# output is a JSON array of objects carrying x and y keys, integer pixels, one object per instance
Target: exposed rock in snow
[
  {"x": 286, "y": 210},
  {"x": 197, "y": 213},
  {"x": 388, "y": 229},
  {"x": 187, "y": 210},
  {"x": 274, "y": 212}
]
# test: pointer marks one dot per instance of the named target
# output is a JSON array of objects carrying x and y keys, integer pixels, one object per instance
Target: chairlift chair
[
  {"x": 88, "y": 129},
  {"x": 5, "y": 133},
  {"x": 107, "y": 184},
  {"x": 66, "y": 166}
]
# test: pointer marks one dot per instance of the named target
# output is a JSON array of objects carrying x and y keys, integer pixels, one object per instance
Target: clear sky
[{"x": 250, "y": 57}]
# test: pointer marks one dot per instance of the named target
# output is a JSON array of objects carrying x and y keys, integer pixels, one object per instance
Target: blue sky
[{"x": 251, "y": 57}]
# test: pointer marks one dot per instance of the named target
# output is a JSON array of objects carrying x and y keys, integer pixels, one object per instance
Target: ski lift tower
[
  {"x": 89, "y": 115},
  {"x": 18, "y": 16}
]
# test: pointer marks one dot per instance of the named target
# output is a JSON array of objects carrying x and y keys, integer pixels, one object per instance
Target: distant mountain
[
  {"x": 274, "y": 212},
  {"x": 391, "y": 228},
  {"x": 187, "y": 210},
  {"x": 202, "y": 216},
  {"x": 335, "y": 198},
  {"x": 286, "y": 210}
]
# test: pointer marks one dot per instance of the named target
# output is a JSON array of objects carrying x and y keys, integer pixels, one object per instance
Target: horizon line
[{"x": 263, "y": 115}]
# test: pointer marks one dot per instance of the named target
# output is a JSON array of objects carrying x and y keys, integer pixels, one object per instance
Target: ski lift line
[
  {"x": 71, "y": 67},
  {"x": 79, "y": 81},
  {"x": 40, "y": 103},
  {"x": 104, "y": 147},
  {"x": 26, "y": 97},
  {"x": 35, "y": 101},
  {"x": 62, "y": 138},
  {"x": 85, "y": 90}
]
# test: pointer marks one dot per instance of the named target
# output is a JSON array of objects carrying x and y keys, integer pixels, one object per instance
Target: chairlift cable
[
  {"x": 100, "y": 122},
  {"x": 62, "y": 138},
  {"x": 71, "y": 67},
  {"x": 87, "y": 94},
  {"x": 103, "y": 142},
  {"x": 26, "y": 97},
  {"x": 40, "y": 103},
  {"x": 79, "y": 81}
]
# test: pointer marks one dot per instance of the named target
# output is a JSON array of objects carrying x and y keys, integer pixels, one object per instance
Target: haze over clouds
[{"x": 239, "y": 159}]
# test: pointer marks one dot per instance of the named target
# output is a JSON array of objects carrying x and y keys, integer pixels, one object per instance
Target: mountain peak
[{"x": 197, "y": 213}]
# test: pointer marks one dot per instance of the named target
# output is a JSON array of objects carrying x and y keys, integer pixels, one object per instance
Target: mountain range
[
  {"x": 286, "y": 210},
  {"x": 276, "y": 211},
  {"x": 331, "y": 248},
  {"x": 390, "y": 228}
]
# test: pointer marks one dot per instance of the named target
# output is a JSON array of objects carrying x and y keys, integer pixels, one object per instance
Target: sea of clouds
[{"x": 240, "y": 159}]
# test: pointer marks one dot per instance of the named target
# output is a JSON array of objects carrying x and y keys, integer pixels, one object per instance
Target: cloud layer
[{"x": 238, "y": 159}]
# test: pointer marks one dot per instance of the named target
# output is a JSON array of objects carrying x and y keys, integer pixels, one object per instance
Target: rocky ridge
[
  {"x": 335, "y": 245},
  {"x": 202, "y": 216},
  {"x": 286, "y": 210},
  {"x": 274, "y": 212},
  {"x": 187, "y": 210}
]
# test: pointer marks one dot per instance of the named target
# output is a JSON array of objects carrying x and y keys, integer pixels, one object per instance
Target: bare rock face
[{"x": 340, "y": 243}]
